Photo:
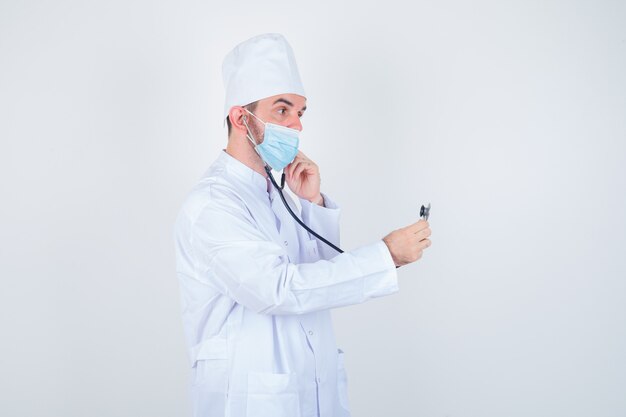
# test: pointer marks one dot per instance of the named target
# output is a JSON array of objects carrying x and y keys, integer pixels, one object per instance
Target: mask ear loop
[
  {"x": 255, "y": 116},
  {"x": 249, "y": 136},
  {"x": 254, "y": 142}
]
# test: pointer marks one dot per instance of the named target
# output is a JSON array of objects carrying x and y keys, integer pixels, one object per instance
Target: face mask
[{"x": 280, "y": 144}]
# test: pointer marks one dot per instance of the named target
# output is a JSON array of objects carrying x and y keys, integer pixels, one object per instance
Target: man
[{"x": 257, "y": 288}]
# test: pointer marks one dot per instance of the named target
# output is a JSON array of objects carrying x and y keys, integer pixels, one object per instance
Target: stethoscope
[{"x": 424, "y": 210}]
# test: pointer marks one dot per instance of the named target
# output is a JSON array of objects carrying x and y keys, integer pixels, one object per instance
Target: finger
[
  {"x": 293, "y": 166},
  {"x": 299, "y": 170},
  {"x": 417, "y": 226},
  {"x": 418, "y": 238},
  {"x": 424, "y": 233},
  {"x": 424, "y": 244},
  {"x": 308, "y": 165}
]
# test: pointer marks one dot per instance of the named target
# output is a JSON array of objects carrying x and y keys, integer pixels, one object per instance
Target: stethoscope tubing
[{"x": 282, "y": 197}]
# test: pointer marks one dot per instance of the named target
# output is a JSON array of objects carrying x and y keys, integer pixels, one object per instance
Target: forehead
[{"x": 290, "y": 100}]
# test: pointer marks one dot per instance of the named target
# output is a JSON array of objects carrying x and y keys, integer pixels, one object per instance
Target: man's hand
[
  {"x": 407, "y": 243},
  {"x": 303, "y": 178}
]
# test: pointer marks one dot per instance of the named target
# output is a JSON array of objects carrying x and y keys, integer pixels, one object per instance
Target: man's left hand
[{"x": 303, "y": 178}]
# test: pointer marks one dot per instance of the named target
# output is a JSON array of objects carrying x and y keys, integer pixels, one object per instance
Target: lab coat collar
[{"x": 259, "y": 183}]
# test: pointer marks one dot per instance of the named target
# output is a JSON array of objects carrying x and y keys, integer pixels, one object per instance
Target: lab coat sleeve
[
  {"x": 325, "y": 222},
  {"x": 235, "y": 257}
]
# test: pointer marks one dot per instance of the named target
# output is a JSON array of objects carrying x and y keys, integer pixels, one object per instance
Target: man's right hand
[{"x": 407, "y": 243}]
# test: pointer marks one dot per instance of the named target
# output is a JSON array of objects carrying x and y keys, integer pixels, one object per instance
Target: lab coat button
[
  {"x": 286, "y": 243},
  {"x": 311, "y": 332}
]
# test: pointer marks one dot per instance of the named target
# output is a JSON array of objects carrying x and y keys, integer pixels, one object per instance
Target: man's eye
[{"x": 282, "y": 110}]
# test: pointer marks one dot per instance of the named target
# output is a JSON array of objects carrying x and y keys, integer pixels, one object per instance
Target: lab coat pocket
[
  {"x": 212, "y": 374},
  {"x": 342, "y": 381},
  {"x": 211, "y": 365},
  {"x": 272, "y": 395},
  {"x": 210, "y": 377}
]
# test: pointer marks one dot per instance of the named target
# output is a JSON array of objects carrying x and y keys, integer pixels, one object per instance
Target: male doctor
[{"x": 256, "y": 287}]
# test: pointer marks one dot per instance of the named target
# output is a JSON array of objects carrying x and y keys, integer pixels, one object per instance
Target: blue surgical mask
[{"x": 280, "y": 144}]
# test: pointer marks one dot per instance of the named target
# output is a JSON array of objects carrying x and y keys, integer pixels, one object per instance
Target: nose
[{"x": 295, "y": 123}]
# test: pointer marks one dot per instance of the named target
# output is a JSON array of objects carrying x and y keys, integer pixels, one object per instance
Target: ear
[{"x": 236, "y": 116}]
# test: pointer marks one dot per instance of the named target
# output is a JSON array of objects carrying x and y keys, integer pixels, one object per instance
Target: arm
[{"x": 236, "y": 258}]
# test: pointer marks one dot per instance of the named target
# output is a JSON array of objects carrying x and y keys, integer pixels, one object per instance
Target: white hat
[{"x": 262, "y": 66}]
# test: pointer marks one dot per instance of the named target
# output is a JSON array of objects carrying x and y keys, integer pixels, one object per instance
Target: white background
[{"x": 508, "y": 116}]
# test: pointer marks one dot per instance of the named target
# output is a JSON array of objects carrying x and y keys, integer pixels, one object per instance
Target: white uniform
[{"x": 256, "y": 294}]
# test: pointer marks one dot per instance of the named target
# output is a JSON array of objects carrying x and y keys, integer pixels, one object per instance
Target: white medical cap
[{"x": 262, "y": 66}]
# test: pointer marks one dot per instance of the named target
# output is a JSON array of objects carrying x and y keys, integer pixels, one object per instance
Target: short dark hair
[{"x": 249, "y": 106}]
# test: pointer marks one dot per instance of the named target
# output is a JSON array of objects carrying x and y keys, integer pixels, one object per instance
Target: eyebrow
[{"x": 287, "y": 102}]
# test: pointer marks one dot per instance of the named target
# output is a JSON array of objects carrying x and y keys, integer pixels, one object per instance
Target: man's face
[{"x": 283, "y": 109}]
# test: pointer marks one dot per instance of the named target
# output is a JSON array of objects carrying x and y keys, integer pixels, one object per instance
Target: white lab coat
[{"x": 256, "y": 294}]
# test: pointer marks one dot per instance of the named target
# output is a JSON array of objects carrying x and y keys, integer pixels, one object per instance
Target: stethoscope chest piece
[{"x": 425, "y": 212}]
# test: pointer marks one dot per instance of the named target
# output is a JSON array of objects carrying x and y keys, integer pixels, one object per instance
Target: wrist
[{"x": 319, "y": 200}]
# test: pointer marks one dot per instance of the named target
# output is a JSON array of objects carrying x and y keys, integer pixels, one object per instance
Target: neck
[{"x": 240, "y": 148}]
